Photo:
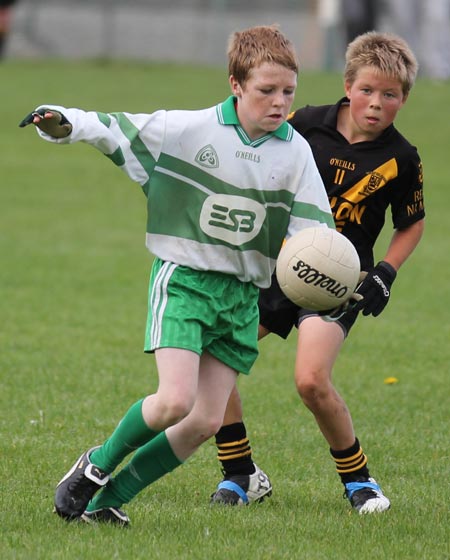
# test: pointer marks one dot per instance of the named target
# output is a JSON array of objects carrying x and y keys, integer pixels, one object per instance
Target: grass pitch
[{"x": 73, "y": 280}]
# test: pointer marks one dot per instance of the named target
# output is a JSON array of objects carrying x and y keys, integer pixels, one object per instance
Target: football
[{"x": 318, "y": 268}]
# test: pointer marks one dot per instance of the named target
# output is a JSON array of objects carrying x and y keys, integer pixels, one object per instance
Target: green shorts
[{"x": 198, "y": 311}]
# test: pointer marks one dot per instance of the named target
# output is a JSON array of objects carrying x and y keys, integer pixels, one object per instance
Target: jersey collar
[
  {"x": 332, "y": 114},
  {"x": 226, "y": 114}
]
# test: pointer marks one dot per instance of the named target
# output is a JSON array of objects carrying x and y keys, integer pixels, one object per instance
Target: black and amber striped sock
[
  {"x": 351, "y": 463},
  {"x": 234, "y": 451}
]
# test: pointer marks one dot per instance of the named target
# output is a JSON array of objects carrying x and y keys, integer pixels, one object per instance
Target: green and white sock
[
  {"x": 131, "y": 433},
  {"x": 150, "y": 462}
]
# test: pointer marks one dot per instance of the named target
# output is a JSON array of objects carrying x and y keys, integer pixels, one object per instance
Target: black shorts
[{"x": 278, "y": 314}]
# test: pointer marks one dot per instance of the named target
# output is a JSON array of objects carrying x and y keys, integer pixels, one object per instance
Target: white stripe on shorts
[{"x": 159, "y": 300}]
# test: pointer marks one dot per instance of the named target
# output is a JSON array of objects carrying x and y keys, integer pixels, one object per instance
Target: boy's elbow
[{"x": 420, "y": 228}]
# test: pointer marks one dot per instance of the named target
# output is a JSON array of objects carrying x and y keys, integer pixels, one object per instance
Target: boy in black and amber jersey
[
  {"x": 368, "y": 167},
  {"x": 364, "y": 178}
]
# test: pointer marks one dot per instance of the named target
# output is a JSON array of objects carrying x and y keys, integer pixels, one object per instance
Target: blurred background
[
  {"x": 196, "y": 31},
  {"x": 73, "y": 285}
]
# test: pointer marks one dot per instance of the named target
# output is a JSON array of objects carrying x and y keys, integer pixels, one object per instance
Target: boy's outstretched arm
[
  {"x": 133, "y": 142},
  {"x": 51, "y": 122}
]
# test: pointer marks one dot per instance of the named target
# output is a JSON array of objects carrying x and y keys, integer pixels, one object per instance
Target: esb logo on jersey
[{"x": 234, "y": 219}]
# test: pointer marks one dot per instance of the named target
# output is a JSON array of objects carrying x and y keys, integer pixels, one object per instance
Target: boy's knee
[
  {"x": 174, "y": 410},
  {"x": 311, "y": 388}
]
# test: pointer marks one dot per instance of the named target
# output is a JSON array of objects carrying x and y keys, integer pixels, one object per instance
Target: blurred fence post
[{"x": 329, "y": 21}]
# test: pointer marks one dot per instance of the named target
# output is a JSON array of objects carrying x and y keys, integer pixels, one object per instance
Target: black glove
[
  {"x": 57, "y": 125},
  {"x": 375, "y": 289}
]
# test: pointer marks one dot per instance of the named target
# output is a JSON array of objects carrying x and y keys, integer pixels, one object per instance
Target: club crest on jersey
[
  {"x": 231, "y": 218},
  {"x": 207, "y": 157},
  {"x": 376, "y": 180}
]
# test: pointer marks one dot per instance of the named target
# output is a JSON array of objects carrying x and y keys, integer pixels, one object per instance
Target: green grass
[{"x": 73, "y": 281}]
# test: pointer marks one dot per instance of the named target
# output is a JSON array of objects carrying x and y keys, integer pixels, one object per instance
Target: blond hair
[
  {"x": 252, "y": 47},
  {"x": 387, "y": 53}
]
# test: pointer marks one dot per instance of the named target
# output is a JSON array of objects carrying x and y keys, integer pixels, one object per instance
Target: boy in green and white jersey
[{"x": 224, "y": 185}]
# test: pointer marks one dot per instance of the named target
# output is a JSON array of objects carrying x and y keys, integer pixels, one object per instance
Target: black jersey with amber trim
[{"x": 363, "y": 179}]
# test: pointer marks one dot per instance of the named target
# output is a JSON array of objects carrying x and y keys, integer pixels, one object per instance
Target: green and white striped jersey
[{"x": 217, "y": 200}]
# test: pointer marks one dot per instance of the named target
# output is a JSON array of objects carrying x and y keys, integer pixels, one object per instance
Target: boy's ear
[
  {"x": 347, "y": 87},
  {"x": 235, "y": 86}
]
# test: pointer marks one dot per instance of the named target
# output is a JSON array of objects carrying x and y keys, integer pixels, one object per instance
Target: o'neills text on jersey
[
  {"x": 248, "y": 155},
  {"x": 343, "y": 163}
]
